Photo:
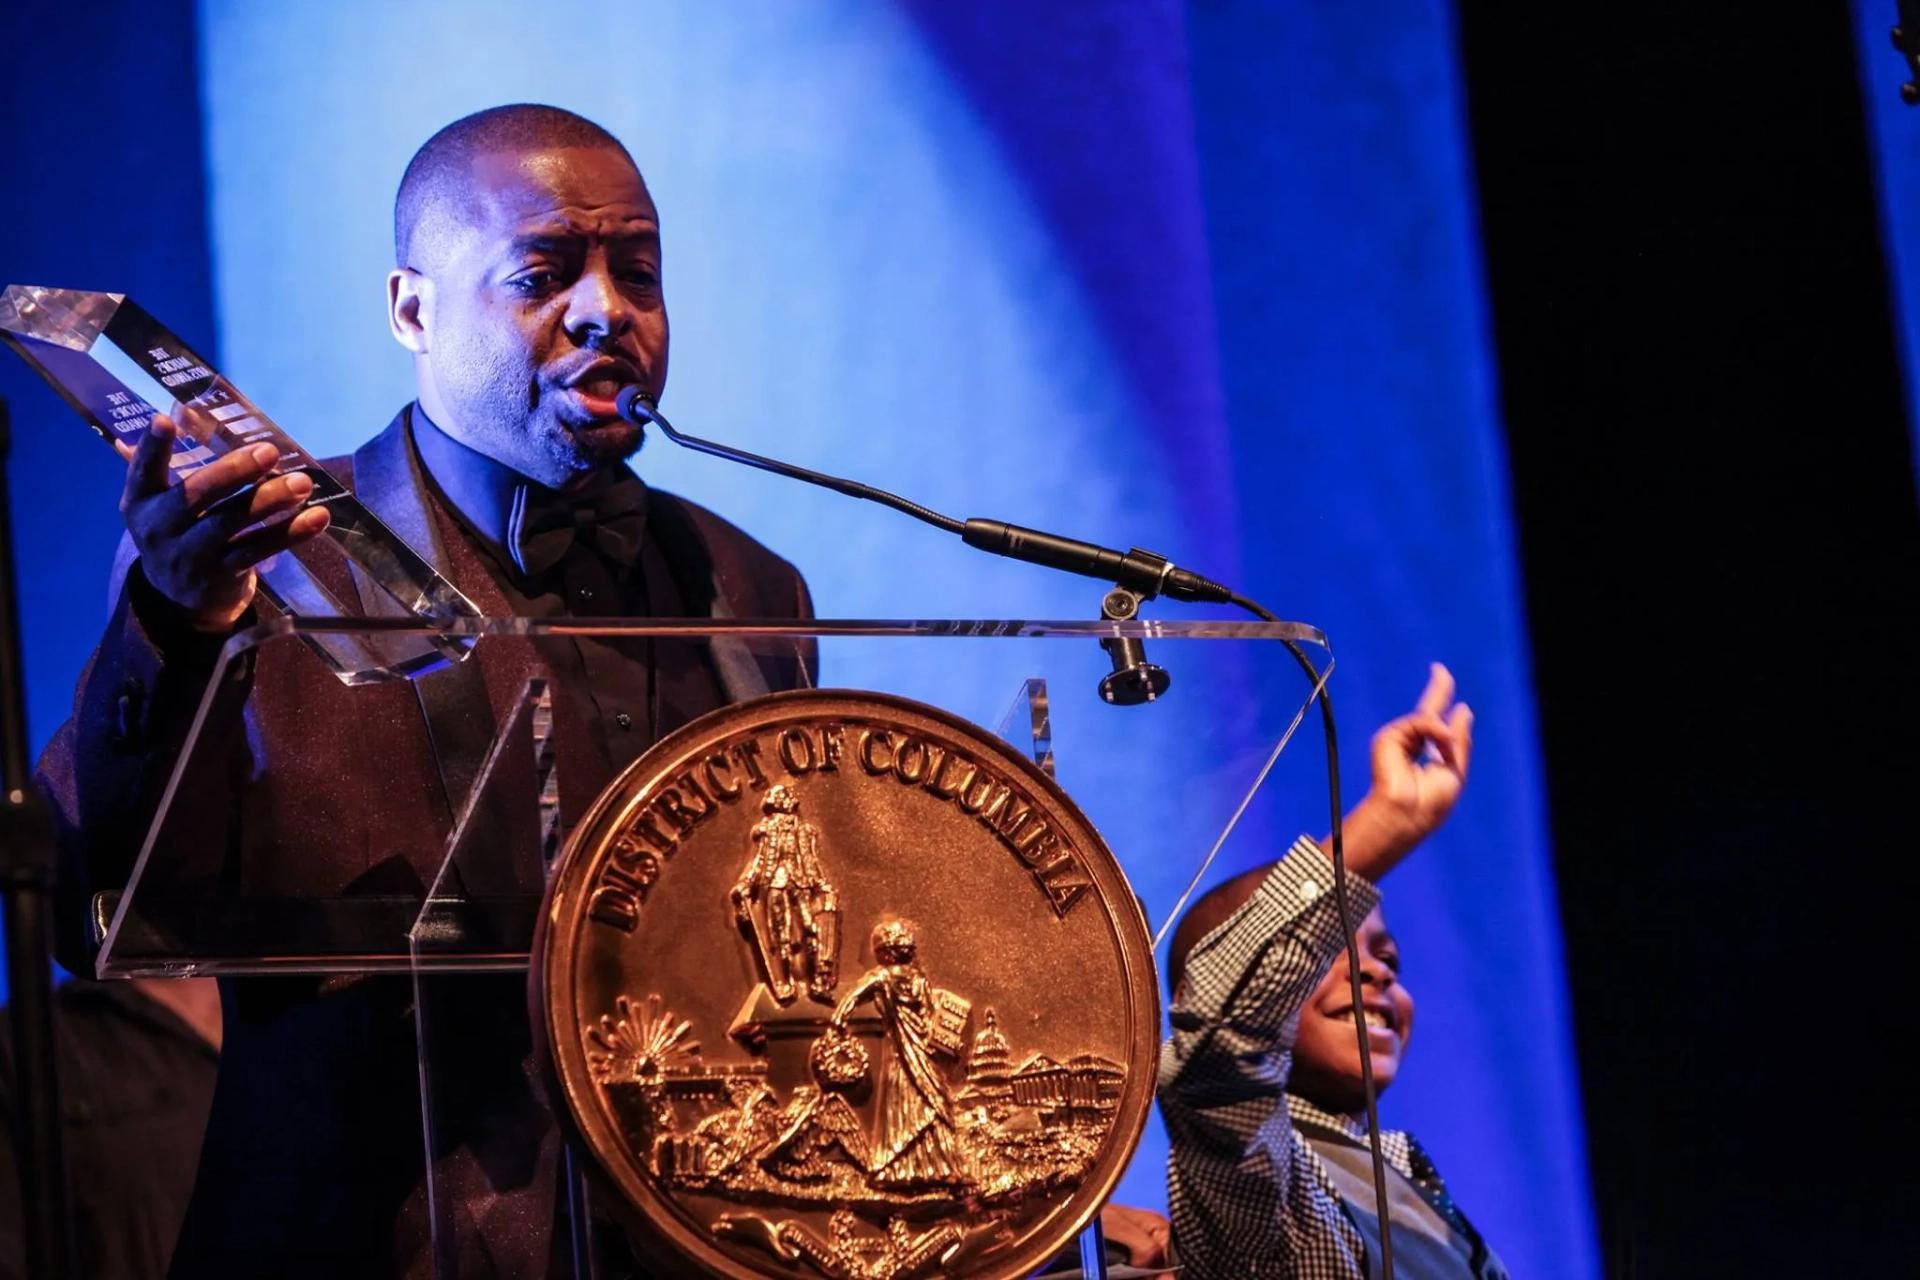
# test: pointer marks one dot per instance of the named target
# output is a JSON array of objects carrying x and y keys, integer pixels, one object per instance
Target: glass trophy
[{"x": 114, "y": 363}]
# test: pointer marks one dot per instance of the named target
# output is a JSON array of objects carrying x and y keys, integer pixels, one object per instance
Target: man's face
[
  {"x": 541, "y": 299},
  {"x": 1326, "y": 1059}
]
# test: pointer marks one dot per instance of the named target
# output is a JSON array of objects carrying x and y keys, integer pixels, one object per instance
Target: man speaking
[{"x": 528, "y": 289}]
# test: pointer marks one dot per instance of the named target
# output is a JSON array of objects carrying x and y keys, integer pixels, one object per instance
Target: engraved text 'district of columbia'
[{"x": 836, "y": 984}]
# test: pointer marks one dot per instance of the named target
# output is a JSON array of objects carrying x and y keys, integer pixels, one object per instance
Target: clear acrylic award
[{"x": 114, "y": 363}]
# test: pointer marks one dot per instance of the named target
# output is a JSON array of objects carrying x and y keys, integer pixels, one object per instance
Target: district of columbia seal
[{"x": 836, "y": 984}]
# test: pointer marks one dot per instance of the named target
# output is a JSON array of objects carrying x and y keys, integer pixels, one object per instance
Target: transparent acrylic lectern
[{"x": 391, "y": 862}]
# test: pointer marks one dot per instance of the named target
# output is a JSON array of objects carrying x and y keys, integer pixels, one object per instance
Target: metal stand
[
  {"x": 1133, "y": 679},
  {"x": 1093, "y": 1251},
  {"x": 26, "y": 879}
]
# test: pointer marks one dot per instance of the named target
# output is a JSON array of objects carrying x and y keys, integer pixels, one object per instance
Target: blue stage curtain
[
  {"x": 1203, "y": 278},
  {"x": 1361, "y": 394},
  {"x": 106, "y": 189},
  {"x": 1894, "y": 128}
]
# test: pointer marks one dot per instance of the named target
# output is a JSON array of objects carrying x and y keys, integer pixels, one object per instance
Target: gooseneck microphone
[
  {"x": 1146, "y": 575},
  {"x": 1139, "y": 571}
]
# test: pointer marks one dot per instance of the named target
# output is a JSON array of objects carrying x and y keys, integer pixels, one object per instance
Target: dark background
[{"x": 1716, "y": 503}]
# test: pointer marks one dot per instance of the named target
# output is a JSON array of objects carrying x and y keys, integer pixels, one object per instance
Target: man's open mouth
[
  {"x": 601, "y": 385},
  {"x": 602, "y": 379}
]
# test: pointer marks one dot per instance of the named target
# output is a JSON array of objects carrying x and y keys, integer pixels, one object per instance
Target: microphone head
[{"x": 635, "y": 405}]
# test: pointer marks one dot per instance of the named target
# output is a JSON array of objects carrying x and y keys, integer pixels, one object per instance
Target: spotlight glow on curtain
[{"x": 1029, "y": 262}]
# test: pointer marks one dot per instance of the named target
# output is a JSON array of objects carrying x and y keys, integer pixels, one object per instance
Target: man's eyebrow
[
  {"x": 566, "y": 235},
  {"x": 647, "y": 236},
  {"x": 1384, "y": 939},
  {"x": 544, "y": 239}
]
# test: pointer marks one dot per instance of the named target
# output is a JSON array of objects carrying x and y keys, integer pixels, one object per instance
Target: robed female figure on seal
[{"x": 916, "y": 1144}]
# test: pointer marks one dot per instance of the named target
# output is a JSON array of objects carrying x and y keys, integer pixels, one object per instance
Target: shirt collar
[
  {"x": 485, "y": 495},
  {"x": 483, "y": 492},
  {"x": 1393, "y": 1142}
]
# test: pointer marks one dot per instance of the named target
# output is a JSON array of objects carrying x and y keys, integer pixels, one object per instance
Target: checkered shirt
[{"x": 1249, "y": 1197}]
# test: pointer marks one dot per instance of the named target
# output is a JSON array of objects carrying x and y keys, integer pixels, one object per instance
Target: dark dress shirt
[{"x": 628, "y": 691}]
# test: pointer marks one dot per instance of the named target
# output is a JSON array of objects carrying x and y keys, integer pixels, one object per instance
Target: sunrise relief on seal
[{"x": 914, "y": 1101}]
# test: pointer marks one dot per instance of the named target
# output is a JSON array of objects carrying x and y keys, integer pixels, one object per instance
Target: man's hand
[
  {"x": 1142, "y": 1231},
  {"x": 1419, "y": 767},
  {"x": 200, "y": 539}
]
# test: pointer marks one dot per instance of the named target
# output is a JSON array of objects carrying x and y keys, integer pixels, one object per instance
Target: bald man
[
  {"x": 1269, "y": 1171},
  {"x": 528, "y": 291}
]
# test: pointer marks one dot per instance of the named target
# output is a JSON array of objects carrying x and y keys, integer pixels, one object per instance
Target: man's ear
[{"x": 409, "y": 308}]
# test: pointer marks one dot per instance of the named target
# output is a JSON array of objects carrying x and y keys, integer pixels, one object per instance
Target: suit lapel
[
  {"x": 387, "y": 477},
  {"x": 454, "y": 700},
  {"x": 703, "y": 591}
]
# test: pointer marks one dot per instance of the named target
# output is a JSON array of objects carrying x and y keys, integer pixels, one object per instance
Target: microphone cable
[{"x": 1349, "y": 931}]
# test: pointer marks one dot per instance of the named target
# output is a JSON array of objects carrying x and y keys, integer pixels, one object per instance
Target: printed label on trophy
[
  {"x": 837, "y": 984},
  {"x": 116, "y": 365}
]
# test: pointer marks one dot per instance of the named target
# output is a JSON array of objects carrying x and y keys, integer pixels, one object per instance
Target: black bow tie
[{"x": 609, "y": 516}]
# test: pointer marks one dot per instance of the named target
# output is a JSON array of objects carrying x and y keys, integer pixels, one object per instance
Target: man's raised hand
[
  {"x": 1419, "y": 767},
  {"x": 200, "y": 539}
]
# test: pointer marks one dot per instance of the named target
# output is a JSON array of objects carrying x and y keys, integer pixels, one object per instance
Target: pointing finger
[{"x": 1438, "y": 694}]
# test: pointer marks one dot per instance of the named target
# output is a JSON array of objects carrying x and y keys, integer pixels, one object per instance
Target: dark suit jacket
[{"x": 314, "y": 1157}]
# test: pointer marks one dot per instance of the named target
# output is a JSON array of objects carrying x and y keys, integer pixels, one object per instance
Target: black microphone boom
[
  {"x": 1141, "y": 571},
  {"x": 1137, "y": 570}
]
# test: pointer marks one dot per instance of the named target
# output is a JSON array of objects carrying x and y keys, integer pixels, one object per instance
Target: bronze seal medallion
[{"x": 834, "y": 983}]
